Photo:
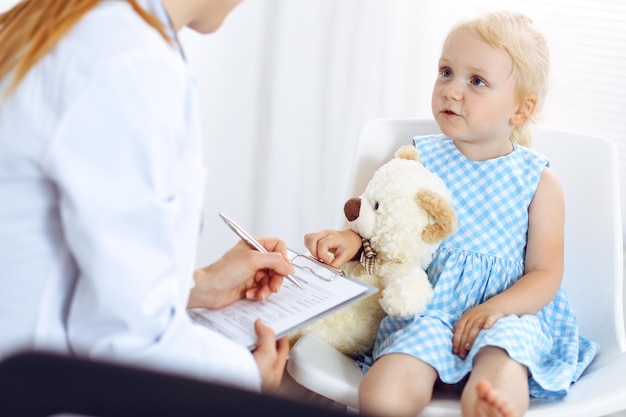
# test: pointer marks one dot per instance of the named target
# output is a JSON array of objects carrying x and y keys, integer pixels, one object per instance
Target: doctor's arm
[
  {"x": 126, "y": 169},
  {"x": 241, "y": 272},
  {"x": 244, "y": 272}
]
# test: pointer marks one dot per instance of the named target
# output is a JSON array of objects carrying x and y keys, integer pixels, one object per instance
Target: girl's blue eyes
[{"x": 475, "y": 81}]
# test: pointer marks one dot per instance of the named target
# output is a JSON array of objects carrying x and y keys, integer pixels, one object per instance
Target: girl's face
[{"x": 474, "y": 98}]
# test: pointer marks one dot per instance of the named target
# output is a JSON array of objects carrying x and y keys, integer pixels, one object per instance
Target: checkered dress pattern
[{"x": 483, "y": 258}]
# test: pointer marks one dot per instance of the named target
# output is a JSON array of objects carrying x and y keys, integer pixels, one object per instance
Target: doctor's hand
[
  {"x": 241, "y": 272},
  {"x": 270, "y": 356}
]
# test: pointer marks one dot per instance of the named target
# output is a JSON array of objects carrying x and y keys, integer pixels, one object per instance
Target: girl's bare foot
[{"x": 490, "y": 403}]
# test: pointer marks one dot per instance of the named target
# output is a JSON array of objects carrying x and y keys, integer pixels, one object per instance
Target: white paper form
[{"x": 287, "y": 310}]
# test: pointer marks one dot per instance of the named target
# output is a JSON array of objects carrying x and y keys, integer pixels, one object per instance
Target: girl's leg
[
  {"x": 497, "y": 386},
  {"x": 396, "y": 385}
]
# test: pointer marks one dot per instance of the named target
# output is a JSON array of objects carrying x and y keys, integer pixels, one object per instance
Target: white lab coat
[{"x": 101, "y": 184}]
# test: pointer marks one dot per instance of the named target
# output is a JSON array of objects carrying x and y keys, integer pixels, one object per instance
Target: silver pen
[{"x": 245, "y": 236}]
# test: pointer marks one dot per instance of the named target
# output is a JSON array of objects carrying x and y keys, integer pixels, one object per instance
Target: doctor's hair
[
  {"x": 32, "y": 28},
  {"x": 515, "y": 34}
]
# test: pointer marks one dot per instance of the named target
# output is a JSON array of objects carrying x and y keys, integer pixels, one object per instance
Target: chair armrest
[
  {"x": 324, "y": 370},
  {"x": 596, "y": 393}
]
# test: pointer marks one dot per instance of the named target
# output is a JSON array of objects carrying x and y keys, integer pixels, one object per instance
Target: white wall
[{"x": 5, "y": 4}]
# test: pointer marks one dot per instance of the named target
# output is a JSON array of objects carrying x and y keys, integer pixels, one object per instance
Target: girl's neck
[{"x": 483, "y": 150}]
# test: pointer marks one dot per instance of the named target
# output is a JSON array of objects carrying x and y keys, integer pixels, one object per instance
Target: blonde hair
[
  {"x": 33, "y": 27},
  {"x": 515, "y": 34}
]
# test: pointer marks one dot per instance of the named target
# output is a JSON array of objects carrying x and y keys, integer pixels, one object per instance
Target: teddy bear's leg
[{"x": 406, "y": 295}]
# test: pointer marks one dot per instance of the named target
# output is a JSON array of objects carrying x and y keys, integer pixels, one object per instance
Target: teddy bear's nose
[{"x": 352, "y": 208}]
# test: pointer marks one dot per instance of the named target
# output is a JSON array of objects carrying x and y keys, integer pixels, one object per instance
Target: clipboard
[{"x": 326, "y": 290}]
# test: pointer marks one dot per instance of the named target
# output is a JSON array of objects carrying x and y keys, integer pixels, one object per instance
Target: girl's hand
[
  {"x": 474, "y": 320},
  {"x": 343, "y": 245},
  {"x": 241, "y": 272}
]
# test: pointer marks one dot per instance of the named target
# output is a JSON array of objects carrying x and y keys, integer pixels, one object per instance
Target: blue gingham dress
[{"x": 483, "y": 258}]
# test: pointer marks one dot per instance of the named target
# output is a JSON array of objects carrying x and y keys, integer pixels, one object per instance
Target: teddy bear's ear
[
  {"x": 441, "y": 211},
  {"x": 407, "y": 152}
]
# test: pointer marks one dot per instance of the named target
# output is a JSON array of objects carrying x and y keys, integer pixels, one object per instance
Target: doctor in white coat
[{"x": 101, "y": 183}]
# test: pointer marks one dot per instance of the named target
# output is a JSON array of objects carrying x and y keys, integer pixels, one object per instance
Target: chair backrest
[{"x": 588, "y": 170}]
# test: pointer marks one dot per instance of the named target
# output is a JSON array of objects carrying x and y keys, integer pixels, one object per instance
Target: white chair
[{"x": 588, "y": 169}]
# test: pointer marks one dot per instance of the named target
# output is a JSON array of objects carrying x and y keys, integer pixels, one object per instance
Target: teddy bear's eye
[{"x": 376, "y": 205}]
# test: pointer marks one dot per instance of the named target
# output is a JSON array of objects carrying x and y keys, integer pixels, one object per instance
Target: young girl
[{"x": 499, "y": 324}]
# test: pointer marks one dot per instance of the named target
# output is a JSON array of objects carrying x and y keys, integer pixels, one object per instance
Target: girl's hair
[
  {"x": 515, "y": 34},
  {"x": 33, "y": 27}
]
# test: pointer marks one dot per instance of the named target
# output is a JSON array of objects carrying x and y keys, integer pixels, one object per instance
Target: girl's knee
[
  {"x": 495, "y": 363},
  {"x": 397, "y": 385}
]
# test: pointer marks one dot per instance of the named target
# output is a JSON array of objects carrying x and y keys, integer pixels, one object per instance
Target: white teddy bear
[{"x": 403, "y": 215}]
